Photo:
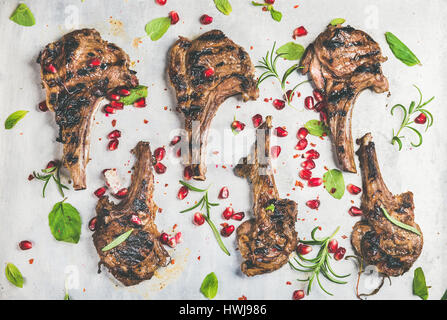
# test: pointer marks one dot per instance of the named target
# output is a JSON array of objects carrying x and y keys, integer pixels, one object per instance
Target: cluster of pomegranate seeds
[
  {"x": 100, "y": 192},
  {"x": 355, "y": 211},
  {"x": 113, "y": 137},
  {"x": 224, "y": 193},
  {"x": 303, "y": 249},
  {"x": 171, "y": 241},
  {"x": 313, "y": 204},
  {"x": 227, "y": 230},
  {"x": 174, "y": 17},
  {"x": 198, "y": 219},
  {"x": 298, "y": 295},
  {"x": 420, "y": 119},
  {"x": 353, "y": 189},
  {"x": 115, "y": 134},
  {"x": 340, "y": 253},
  {"x": 161, "y": 2},
  {"x": 25, "y": 245},
  {"x": 206, "y": 19},
  {"x": 279, "y": 104},
  {"x": 208, "y": 72},
  {"x": 237, "y": 126},
  {"x": 281, "y": 132},
  {"x": 92, "y": 224},
  {"x": 332, "y": 246},
  {"x": 299, "y": 32},
  {"x": 182, "y": 193},
  {"x": 275, "y": 151},
  {"x": 43, "y": 106},
  {"x": 257, "y": 120}
]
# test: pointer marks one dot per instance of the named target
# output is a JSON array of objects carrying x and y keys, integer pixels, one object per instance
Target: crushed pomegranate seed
[
  {"x": 136, "y": 220},
  {"x": 302, "y": 133},
  {"x": 303, "y": 249},
  {"x": 140, "y": 103},
  {"x": 257, "y": 120},
  {"x": 122, "y": 193},
  {"x": 340, "y": 253},
  {"x": 174, "y": 17},
  {"x": 313, "y": 204},
  {"x": 314, "y": 182},
  {"x": 355, "y": 211},
  {"x": 182, "y": 193},
  {"x": 175, "y": 140},
  {"x": 312, "y": 154},
  {"x": 113, "y": 144},
  {"x": 208, "y": 72},
  {"x": 159, "y": 153},
  {"x": 160, "y": 168},
  {"x": 100, "y": 192},
  {"x": 281, "y": 132},
  {"x": 238, "y": 216},
  {"x": 228, "y": 212},
  {"x": 299, "y": 32},
  {"x": 420, "y": 119},
  {"x": 353, "y": 189},
  {"x": 237, "y": 126},
  {"x": 187, "y": 173},
  {"x": 115, "y": 134},
  {"x": 275, "y": 151},
  {"x": 206, "y": 19},
  {"x": 301, "y": 145},
  {"x": 309, "y": 103},
  {"x": 224, "y": 193},
  {"x": 227, "y": 230},
  {"x": 43, "y": 106},
  {"x": 308, "y": 164},
  {"x": 199, "y": 219},
  {"x": 94, "y": 62},
  {"x": 25, "y": 245},
  {"x": 332, "y": 246},
  {"x": 279, "y": 104},
  {"x": 298, "y": 295},
  {"x": 305, "y": 174}
]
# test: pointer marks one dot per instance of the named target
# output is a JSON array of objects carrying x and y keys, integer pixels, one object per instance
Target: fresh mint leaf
[
  {"x": 209, "y": 286},
  {"x": 65, "y": 222},
  {"x": 271, "y": 207},
  {"x": 400, "y": 50},
  {"x": 276, "y": 15},
  {"x": 334, "y": 183},
  {"x": 419, "y": 286},
  {"x": 13, "y": 275},
  {"x": 117, "y": 241},
  {"x": 291, "y": 51},
  {"x": 156, "y": 28},
  {"x": 23, "y": 16},
  {"x": 14, "y": 117},
  {"x": 316, "y": 128},
  {"x": 135, "y": 94},
  {"x": 223, "y": 6},
  {"x": 337, "y": 21}
]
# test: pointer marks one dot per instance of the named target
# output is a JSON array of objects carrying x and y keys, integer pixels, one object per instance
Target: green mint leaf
[
  {"x": 400, "y": 224},
  {"x": 65, "y": 222},
  {"x": 23, "y": 16},
  {"x": 271, "y": 207},
  {"x": 419, "y": 286},
  {"x": 13, "y": 118},
  {"x": 337, "y": 21},
  {"x": 156, "y": 28},
  {"x": 400, "y": 50},
  {"x": 209, "y": 286},
  {"x": 13, "y": 275},
  {"x": 276, "y": 15},
  {"x": 334, "y": 183},
  {"x": 135, "y": 94},
  {"x": 223, "y": 6},
  {"x": 316, "y": 128},
  {"x": 291, "y": 51},
  {"x": 117, "y": 241}
]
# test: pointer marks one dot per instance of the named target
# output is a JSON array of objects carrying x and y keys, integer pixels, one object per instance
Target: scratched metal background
[{"x": 31, "y": 144}]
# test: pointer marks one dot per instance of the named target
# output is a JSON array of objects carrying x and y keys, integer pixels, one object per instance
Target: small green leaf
[
  {"x": 65, "y": 222},
  {"x": 117, "y": 241},
  {"x": 291, "y": 51},
  {"x": 444, "y": 296},
  {"x": 400, "y": 224},
  {"x": 223, "y": 6},
  {"x": 271, "y": 207},
  {"x": 23, "y": 16},
  {"x": 135, "y": 94},
  {"x": 400, "y": 50},
  {"x": 276, "y": 15},
  {"x": 419, "y": 286},
  {"x": 14, "y": 117},
  {"x": 316, "y": 128},
  {"x": 209, "y": 286},
  {"x": 156, "y": 28},
  {"x": 13, "y": 275},
  {"x": 337, "y": 21},
  {"x": 334, "y": 183}
]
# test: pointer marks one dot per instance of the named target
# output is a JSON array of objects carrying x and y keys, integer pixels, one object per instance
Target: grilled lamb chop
[
  {"x": 137, "y": 258},
  {"x": 77, "y": 72},
  {"x": 204, "y": 73},
  {"x": 342, "y": 62},
  {"x": 378, "y": 241},
  {"x": 266, "y": 241}
]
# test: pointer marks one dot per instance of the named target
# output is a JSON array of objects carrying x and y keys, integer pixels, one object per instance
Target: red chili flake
[
  {"x": 266, "y": 100},
  {"x": 242, "y": 298},
  {"x": 288, "y": 283},
  {"x": 31, "y": 261},
  {"x": 198, "y": 258},
  {"x": 173, "y": 261},
  {"x": 146, "y": 121},
  {"x": 113, "y": 123}
]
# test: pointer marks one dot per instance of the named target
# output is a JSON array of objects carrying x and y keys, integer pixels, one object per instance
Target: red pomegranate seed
[
  {"x": 178, "y": 153},
  {"x": 228, "y": 212},
  {"x": 302, "y": 133},
  {"x": 227, "y": 230},
  {"x": 159, "y": 153},
  {"x": 124, "y": 92},
  {"x": 323, "y": 117},
  {"x": 340, "y": 253},
  {"x": 279, "y": 104},
  {"x": 94, "y": 62},
  {"x": 320, "y": 106},
  {"x": 92, "y": 224},
  {"x": 30, "y": 177},
  {"x": 257, "y": 120},
  {"x": 301, "y": 145},
  {"x": 299, "y": 32},
  {"x": 270, "y": 1},
  {"x": 353, "y": 189},
  {"x": 114, "y": 97},
  {"x": 317, "y": 95},
  {"x": 174, "y": 17},
  {"x": 315, "y": 182},
  {"x": 140, "y": 103},
  {"x": 355, "y": 211},
  {"x": 237, "y": 126},
  {"x": 175, "y": 140},
  {"x": 281, "y": 132},
  {"x": 51, "y": 164},
  {"x": 160, "y": 168},
  {"x": 178, "y": 238},
  {"x": 122, "y": 193},
  {"x": 305, "y": 174},
  {"x": 206, "y": 19},
  {"x": 25, "y": 245},
  {"x": 224, "y": 193},
  {"x": 117, "y": 105},
  {"x": 171, "y": 242},
  {"x": 115, "y": 134},
  {"x": 275, "y": 151},
  {"x": 161, "y": 2},
  {"x": 109, "y": 109},
  {"x": 332, "y": 246},
  {"x": 199, "y": 219},
  {"x": 43, "y": 106},
  {"x": 187, "y": 173},
  {"x": 113, "y": 144},
  {"x": 182, "y": 193},
  {"x": 313, "y": 204},
  {"x": 309, "y": 103},
  {"x": 298, "y": 295},
  {"x": 238, "y": 216},
  {"x": 51, "y": 68},
  {"x": 420, "y": 119},
  {"x": 208, "y": 72},
  {"x": 289, "y": 95},
  {"x": 303, "y": 249},
  {"x": 164, "y": 238},
  {"x": 100, "y": 192},
  {"x": 136, "y": 220},
  {"x": 312, "y": 154},
  {"x": 308, "y": 164}
]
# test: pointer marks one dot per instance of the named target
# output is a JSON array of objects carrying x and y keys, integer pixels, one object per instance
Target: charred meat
[
  {"x": 204, "y": 73},
  {"x": 78, "y": 71},
  {"x": 137, "y": 258},
  {"x": 342, "y": 62},
  {"x": 375, "y": 238},
  {"x": 266, "y": 241}
]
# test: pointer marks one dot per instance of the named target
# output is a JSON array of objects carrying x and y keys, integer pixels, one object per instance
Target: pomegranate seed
[
  {"x": 332, "y": 246},
  {"x": 178, "y": 153},
  {"x": 43, "y": 106},
  {"x": 280, "y": 132},
  {"x": 175, "y": 140},
  {"x": 140, "y": 103},
  {"x": 302, "y": 133},
  {"x": 298, "y": 295},
  {"x": 94, "y": 62},
  {"x": 199, "y": 219},
  {"x": 100, "y": 192},
  {"x": 228, "y": 213},
  {"x": 30, "y": 177},
  {"x": 122, "y": 193},
  {"x": 51, "y": 68},
  {"x": 289, "y": 95},
  {"x": 164, "y": 238},
  {"x": 340, "y": 253},
  {"x": 309, "y": 103},
  {"x": 275, "y": 151},
  {"x": 301, "y": 145},
  {"x": 305, "y": 174},
  {"x": 109, "y": 109},
  {"x": 182, "y": 193},
  {"x": 115, "y": 134},
  {"x": 208, "y": 72},
  {"x": 161, "y": 2},
  {"x": 420, "y": 119},
  {"x": 92, "y": 224},
  {"x": 299, "y": 32},
  {"x": 171, "y": 242},
  {"x": 317, "y": 95},
  {"x": 238, "y": 216},
  {"x": 270, "y": 1},
  {"x": 124, "y": 92},
  {"x": 178, "y": 237},
  {"x": 25, "y": 245},
  {"x": 312, "y": 154},
  {"x": 303, "y": 249},
  {"x": 315, "y": 182},
  {"x": 114, "y": 97},
  {"x": 237, "y": 126},
  {"x": 323, "y": 117},
  {"x": 313, "y": 204},
  {"x": 353, "y": 189},
  {"x": 117, "y": 105},
  {"x": 320, "y": 106},
  {"x": 159, "y": 153},
  {"x": 257, "y": 120},
  {"x": 355, "y": 211},
  {"x": 51, "y": 164},
  {"x": 160, "y": 168},
  {"x": 187, "y": 173},
  {"x": 227, "y": 230},
  {"x": 279, "y": 104},
  {"x": 206, "y": 19},
  {"x": 113, "y": 144},
  {"x": 174, "y": 17},
  {"x": 224, "y": 193},
  {"x": 136, "y": 220},
  {"x": 308, "y": 164}
]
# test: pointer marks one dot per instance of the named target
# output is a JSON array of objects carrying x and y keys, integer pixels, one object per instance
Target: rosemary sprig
[
  {"x": 319, "y": 264},
  {"x": 205, "y": 203},
  {"x": 51, "y": 173},
  {"x": 408, "y": 115}
]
